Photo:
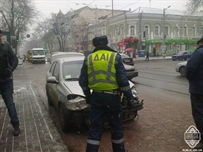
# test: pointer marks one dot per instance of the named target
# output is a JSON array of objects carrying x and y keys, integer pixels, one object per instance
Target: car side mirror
[{"x": 52, "y": 79}]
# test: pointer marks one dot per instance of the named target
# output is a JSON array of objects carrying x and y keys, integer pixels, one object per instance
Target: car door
[
  {"x": 51, "y": 87},
  {"x": 54, "y": 89}
]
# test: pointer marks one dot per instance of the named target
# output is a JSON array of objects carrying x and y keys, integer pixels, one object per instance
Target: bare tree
[
  {"x": 194, "y": 5},
  {"x": 62, "y": 25},
  {"x": 45, "y": 34},
  {"x": 18, "y": 15}
]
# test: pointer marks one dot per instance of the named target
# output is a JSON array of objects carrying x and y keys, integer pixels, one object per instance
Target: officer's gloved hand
[
  {"x": 7, "y": 73},
  {"x": 132, "y": 103},
  {"x": 87, "y": 97}
]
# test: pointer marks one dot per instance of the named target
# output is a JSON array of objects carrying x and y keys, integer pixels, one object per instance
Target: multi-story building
[
  {"x": 86, "y": 24},
  {"x": 146, "y": 28}
]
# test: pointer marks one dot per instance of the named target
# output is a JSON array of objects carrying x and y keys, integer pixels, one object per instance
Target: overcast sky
[{"x": 46, "y": 7}]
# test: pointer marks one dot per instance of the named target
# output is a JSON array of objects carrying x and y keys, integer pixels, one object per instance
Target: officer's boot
[{"x": 16, "y": 130}]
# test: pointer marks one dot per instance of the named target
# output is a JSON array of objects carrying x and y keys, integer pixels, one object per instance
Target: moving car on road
[
  {"x": 180, "y": 67},
  {"x": 63, "y": 92},
  {"x": 182, "y": 55}
]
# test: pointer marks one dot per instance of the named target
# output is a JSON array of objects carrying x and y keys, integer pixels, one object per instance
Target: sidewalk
[
  {"x": 38, "y": 133},
  {"x": 152, "y": 58}
]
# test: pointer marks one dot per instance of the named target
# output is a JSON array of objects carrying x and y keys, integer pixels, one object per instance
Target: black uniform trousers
[
  {"x": 197, "y": 111},
  {"x": 105, "y": 107}
]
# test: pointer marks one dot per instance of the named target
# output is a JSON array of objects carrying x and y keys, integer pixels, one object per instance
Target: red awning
[
  {"x": 129, "y": 50},
  {"x": 130, "y": 39},
  {"x": 121, "y": 43}
]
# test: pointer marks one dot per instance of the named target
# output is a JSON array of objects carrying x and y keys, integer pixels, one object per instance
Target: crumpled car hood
[{"x": 75, "y": 88}]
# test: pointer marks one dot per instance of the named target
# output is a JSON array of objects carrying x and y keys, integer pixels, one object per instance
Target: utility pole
[
  {"x": 112, "y": 7},
  {"x": 164, "y": 31}
]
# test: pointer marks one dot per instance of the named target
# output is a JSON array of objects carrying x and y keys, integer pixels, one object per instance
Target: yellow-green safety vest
[{"x": 101, "y": 70}]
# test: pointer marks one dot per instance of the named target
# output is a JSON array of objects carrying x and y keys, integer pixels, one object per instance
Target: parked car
[
  {"x": 180, "y": 67},
  {"x": 182, "y": 55},
  {"x": 128, "y": 63},
  {"x": 47, "y": 57},
  {"x": 57, "y": 55},
  {"x": 20, "y": 60},
  {"x": 126, "y": 59},
  {"x": 63, "y": 92}
]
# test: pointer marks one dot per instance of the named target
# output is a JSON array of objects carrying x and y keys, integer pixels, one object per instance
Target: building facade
[{"x": 148, "y": 28}]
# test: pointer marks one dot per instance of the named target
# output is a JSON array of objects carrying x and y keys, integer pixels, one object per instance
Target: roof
[{"x": 160, "y": 11}]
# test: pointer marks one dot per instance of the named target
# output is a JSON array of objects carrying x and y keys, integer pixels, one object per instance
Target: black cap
[
  {"x": 200, "y": 40},
  {"x": 98, "y": 41}
]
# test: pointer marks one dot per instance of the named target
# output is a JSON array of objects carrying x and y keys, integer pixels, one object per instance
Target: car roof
[
  {"x": 72, "y": 58},
  {"x": 61, "y": 53}
]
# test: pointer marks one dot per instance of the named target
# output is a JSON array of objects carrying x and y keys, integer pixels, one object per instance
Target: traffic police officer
[
  {"x": 8, "y": 63},
  {"x": 103, "y": 73}
]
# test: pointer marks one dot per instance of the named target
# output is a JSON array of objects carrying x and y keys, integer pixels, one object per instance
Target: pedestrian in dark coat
[
  {"x": 147, "y": 56},
  {"x": 8, "y": 63},
  {"x": 194, "y": 74},
  {"x": 103, "y": 73},
  {"x": 154, "y": 51}
]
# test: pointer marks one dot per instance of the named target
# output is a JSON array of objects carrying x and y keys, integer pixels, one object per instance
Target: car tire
[
  {"x": 65, "y": 126},
  {"x": 182, "y": 71},
  {"x": 133, "y": 116}
]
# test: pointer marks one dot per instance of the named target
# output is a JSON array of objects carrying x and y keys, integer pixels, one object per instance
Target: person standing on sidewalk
[
  {"x": 147, "y": 56},
  {"x": 194, "y": 74},
  {"x": 103, "y": 73},
  {"x": 8, "y": 63}
]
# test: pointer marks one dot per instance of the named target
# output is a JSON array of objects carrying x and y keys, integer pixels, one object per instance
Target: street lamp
[
  {"x": 112, "y": 7},
  {"x": 164, "y": 30}
]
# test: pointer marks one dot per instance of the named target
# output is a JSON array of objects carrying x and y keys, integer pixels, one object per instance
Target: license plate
[{"x": 127, "y": 60}]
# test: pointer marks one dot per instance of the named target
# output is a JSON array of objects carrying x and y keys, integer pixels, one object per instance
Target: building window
[
  {"x": 156, "y": 30},
  {"x": 185, "y": 31},
  {"x": 166, "y": 30},
  {"x": 121, "y": 30},
  {"x": 111, "y": 32},
  {"x": 176, "y": 31},
  {"x": 193, "y": 31},
  {"x": 132, "y": 30},
  {"x": 146, "y": 29},
  {"x": 202, "y": 31},
  {"x": 116, "y": 31}
]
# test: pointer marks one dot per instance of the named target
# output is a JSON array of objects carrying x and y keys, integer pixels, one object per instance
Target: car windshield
[
  {"x": 71, "y": 70},
  {"x": 38, "y": 52},
  {"x": 182, "y": 52}
]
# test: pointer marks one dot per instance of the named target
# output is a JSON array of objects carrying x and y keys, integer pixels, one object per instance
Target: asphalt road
[{"x": 160, "y": 126}]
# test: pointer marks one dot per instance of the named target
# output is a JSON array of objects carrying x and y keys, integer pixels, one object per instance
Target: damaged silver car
[{"x": 63, "y": 92}]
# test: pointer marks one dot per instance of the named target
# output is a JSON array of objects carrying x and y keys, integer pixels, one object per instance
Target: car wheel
[
  {"x": 174, "y": 59},
  {"x": 182, "y": 71},
  {"x": 132, "y": 116},
  {"x": 65, "y": 126}
]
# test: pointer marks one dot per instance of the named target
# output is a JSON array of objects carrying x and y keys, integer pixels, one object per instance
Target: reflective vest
[{"x": 101, "y": 70}]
